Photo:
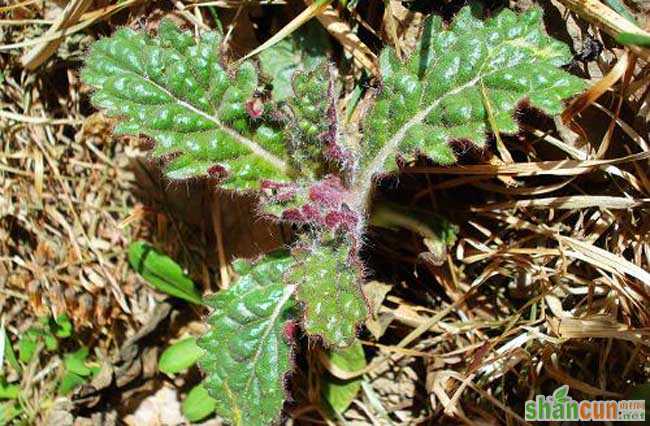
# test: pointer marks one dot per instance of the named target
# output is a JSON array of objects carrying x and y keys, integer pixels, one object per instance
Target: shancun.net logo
[{"x": 560, "y": 406}]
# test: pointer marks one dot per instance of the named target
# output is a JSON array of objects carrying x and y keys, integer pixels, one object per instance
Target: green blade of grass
[
  {"x": 633, "y": 39},
  {"x": 162, "y": 272}
]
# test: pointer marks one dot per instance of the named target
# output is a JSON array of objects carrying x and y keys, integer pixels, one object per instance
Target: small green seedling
[
  {"x": 167, "y": 276},
  {"x": 338, "y": 393},
  {"x": 43, "y": 340},
  {"x": 47, "y": 331},
  {"x": 177, "y": 358},
  {"x": 198, "y": 404},
  {"x": 77, "y": 371}
]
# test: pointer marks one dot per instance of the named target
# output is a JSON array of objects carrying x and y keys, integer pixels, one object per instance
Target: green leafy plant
[
  {"x": 47, "y": 331},
  {"x": 177, "y": 358},
  {"x": 207, "y": 119},
  {"x": 162, "y": 272},
  {"x": 167, "y": 276},
  {"x": 77, "y": 370},
  {"x": 304, "y": 50},
  {"x": 47, "y": 338},
  {"x": 339, "y": 393}
]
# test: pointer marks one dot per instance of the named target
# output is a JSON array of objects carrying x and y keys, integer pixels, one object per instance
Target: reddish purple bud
[
  {"x": 337, "y": 153},
  {"x": 286, "y": 195},
  {"x": 217, "y": 171},
  {"x": 333, "y": 150},
  {"x": 328, "y": 192},
  {"x": 255, "y": 108},
  {"x": 311, "y": 213},
  {"x": 293, "y": 215},
  {"x": 269, "y": 184},
  {"x": 345, "y": 219},
  {"x": 279, "y": 191},
  {"x": 290, "y": 331}
]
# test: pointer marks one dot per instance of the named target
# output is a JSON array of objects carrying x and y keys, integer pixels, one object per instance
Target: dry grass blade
[
  {"x": 441, "y": 386},
  {"x": 597, "y": 90},
  {"x": 37, "y": 120},
  {"x": 70, "y": 15},
  {"x": 535, "y": 190},
  {"x": 234, "y": 4},
  {"x": 341, "y": 30},
  {"x": 603, "y": 327},
  {"x": 87, "y": 20},
  {"x": 18, "y": 5},
  {"x": 604, "y": 17},
  {"x": 604, "y": 259},
  {"x": 570, "y": 203},
  {"x": 633, "y": 134},
  {"x": 556, "y": 168},
  {"x": 217, "y": 224},
  {"x": 391, "y": 27},
  {"x": 311, "y": 11},
  {"x": 10, "y": 22},
  {"x": 501, "y": 148},
  {"x": 561, "y": 376}
]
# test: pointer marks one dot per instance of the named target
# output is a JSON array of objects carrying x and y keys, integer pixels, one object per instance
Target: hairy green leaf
[
  {"x": 303, "y": 50},
  {"x": 315, "y": 131},
  {"x": 162, "y": 272},
  {"x": 309, "y": 123},
  {"x": 328, "y": 285},
  {"x": 444, "y": 91},
  {"x": 246, "y": 356},
  {"x": 174, "y": 89}
]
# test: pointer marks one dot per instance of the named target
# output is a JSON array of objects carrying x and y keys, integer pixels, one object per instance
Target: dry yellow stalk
[
  {"x": 604, "y": 17},
  {"x": 70, "y": 15}
]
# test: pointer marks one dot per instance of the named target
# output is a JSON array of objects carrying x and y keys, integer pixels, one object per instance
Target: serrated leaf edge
[
  {"x": 287, "y": 293},
  {"x": 363, "y": 184},
  {"x": 279, "y": 163}
]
